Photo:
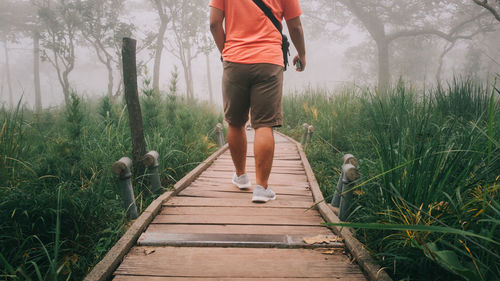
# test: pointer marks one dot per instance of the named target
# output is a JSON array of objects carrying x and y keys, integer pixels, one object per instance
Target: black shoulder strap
[{"x": 267, "y": 11}]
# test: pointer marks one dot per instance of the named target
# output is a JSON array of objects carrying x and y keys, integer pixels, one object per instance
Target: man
[{"x": 253, "y": 79}]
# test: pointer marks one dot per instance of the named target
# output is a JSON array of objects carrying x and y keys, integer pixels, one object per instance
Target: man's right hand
[{"x": 300, "y": 63}]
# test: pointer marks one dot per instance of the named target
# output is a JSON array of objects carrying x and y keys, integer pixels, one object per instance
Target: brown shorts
[{"x": 255, "y": 87}]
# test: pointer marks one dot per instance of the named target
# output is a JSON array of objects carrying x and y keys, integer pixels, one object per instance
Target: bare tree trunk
[
  {"x": 189, "y": 80},
  {"x": 36, "y": 71},
  {"x": 110, "y": 78},
  {"x": 441, "y": 60},
  {"x": 209, "y": 79},
  {"x": 384, "y": 76},
  {"x": 133, "y": 105},
  {"x": 158, "y": 54},
  {"x": 66, "y": 87},
  {"x": 7, "y": 72}
]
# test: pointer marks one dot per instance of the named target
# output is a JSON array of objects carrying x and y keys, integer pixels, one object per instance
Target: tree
[
  {"x": 60, "y": 26},
  {"x": 387, "y": 21},
  {"x": 160, "y": 7},
  {"x": 103, "y": 29},
  {"x": 19, "y": 19},
  {"x": 188, "y": 24}
]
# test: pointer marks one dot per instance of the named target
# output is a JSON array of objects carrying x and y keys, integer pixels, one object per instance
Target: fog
[{"x": 341, "y": 51}]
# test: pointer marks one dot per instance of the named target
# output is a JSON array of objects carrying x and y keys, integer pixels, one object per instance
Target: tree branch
[{"x": 488, "y": 7}]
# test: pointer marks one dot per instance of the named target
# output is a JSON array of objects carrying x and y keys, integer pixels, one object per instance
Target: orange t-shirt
[{"x": 250, "y": 35}]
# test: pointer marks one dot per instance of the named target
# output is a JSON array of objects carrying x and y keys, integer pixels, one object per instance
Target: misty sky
[{"x": 327, "y": 65}]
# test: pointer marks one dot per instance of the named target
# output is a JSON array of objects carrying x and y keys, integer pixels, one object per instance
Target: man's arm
[
  {"x": 297, "y": 36},
  {"x": 216, "y": 20}
]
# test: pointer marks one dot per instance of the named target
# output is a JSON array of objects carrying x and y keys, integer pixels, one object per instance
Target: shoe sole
[
  {"x": 244, "y": 186},
  {"x": 261, "y": 199}
]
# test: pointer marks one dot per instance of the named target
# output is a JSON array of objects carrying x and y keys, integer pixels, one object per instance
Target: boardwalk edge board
[
  {"x": 356, "y": 248},
  {"x": 105, "y": 268}
]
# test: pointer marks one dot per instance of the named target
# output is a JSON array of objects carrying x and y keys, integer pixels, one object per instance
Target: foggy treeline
[{"x": 52, "y": 48}]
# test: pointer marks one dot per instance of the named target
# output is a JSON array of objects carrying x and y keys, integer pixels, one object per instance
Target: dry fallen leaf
[
  {"x": 148, "y": 252},
  {"x": 319, "y": 239}
]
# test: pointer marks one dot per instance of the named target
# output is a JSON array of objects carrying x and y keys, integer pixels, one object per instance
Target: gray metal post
[
  {"x": 338, "y": 190},
  {"x": 310, "y": 131},
  {"x": 151, "y": 161},
  {"x": 220, "y": 135},
  {"x": 350, "y": 174},
  {"x": 122, "y": 168},
  {"x": 304, "y": 135}
]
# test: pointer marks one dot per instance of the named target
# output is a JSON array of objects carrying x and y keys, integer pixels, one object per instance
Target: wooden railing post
[
  {"x": 151, "y": 161},
  {"x": 122, "y": 168},
  {"x": 133, "y": 105}
]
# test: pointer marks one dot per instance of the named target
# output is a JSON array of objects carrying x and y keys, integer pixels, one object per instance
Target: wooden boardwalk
[{"x": 207, "y": 229}]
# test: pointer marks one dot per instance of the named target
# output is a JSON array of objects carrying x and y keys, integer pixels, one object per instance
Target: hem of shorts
[
  {"x": 258, "y": 62},
  {"x": 276, "y": 124}
]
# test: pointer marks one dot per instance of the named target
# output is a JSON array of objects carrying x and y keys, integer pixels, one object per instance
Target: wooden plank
[
  {"x": 351, "y": 277},
  {"x": 229, "y": 187},
  {"x": 231, "y": 219},
  {"x": 234, "y": 262},
  {"x": 239, "y": 229},
  {"x": 104, "y": 269},
  {"x": 361, "y": 255},
  {"x": 239, "y": 194},
  {"x": 239, "y": 211},
  {"x": 231, "y": 240},
  {"x": 214, "y": 202},
  {"x": 225, "y": 181}
]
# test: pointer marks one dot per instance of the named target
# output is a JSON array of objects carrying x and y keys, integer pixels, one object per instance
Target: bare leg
[
  {"x": 264, "y": 153},
  {"x": 237, "y": 140}
]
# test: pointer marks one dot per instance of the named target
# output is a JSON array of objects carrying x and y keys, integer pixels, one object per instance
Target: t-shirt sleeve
[
  {"x": 219, "y": 4},
  {"x": 291, "y": 9}
]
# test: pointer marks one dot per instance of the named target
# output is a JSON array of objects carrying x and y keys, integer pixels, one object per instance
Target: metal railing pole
[
  {"x": 310, "y": 131},
  {"x": 122, "y": 168},
  {"x": 349, "y": 175},
  {"x": 151, "y": 161},
  {"x": 305, "y": 126},
  {"x": 220, "y": 135}
]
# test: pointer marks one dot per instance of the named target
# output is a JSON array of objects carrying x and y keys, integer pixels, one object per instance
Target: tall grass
[
  {"x": 429, "y": 159},
  {"x": 55, "y": 178}
]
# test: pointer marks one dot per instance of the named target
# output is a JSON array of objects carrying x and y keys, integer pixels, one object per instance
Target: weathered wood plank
[
  {"x": 239, "y": 211},
  {"x": 229, "y": 187},
  {"x": 239, "y": 229},
  {"x": 234, "y": 262},
  {"x": 231, "y": 240},
  {"x": 214, "y": 202},
  {"x": 351, "y": 277},
  {"x": 239, "y": 195},
  {"x": 231, "y": 219}
]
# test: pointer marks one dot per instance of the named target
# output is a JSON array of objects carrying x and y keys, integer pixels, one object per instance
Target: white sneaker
[
  {"x": 261, "y": 194},
  {"x": 242, "y": 182}
]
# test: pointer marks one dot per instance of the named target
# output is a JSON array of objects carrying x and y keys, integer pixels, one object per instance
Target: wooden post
[
  {"x": 151, "y": 161},
  {"x": 121, "y": 168},
  {"x": 133, "y": 105}
]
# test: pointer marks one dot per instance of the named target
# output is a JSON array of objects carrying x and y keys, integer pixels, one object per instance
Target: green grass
[
  {"x": 60, "y": 208},
  {"x": 429, "y": 159}
]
